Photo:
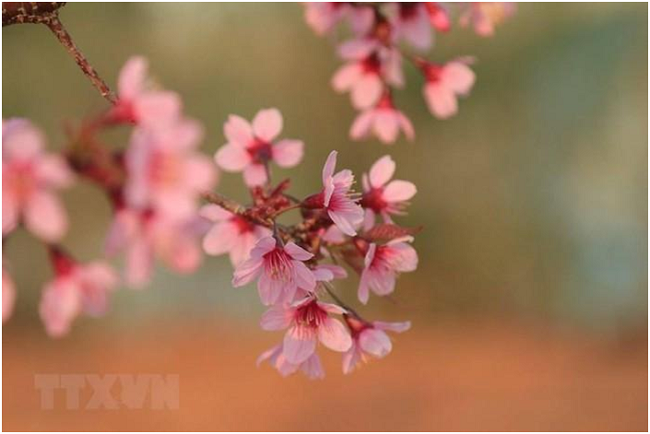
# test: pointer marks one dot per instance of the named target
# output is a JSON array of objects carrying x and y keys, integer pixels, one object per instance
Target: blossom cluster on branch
[
  {"x": 383, "y": 36},
  {"x": 156, "y": 186},
  {"x": 164, "y": 206}
]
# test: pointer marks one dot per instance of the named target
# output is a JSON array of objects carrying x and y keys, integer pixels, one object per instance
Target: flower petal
[
  {"x": 267, "y": 124},
  {"x": 297, "y": 252},
  {"x": 299, "y": 344},
  {"x": 45, "y": 216},
  {"x": 255, "y": 175},
  {"x": 382, "y": 171},
  {"x": 334, "y": 335},
  {"x": 232, "y": 157},
  {"x": 287, "y": 153},
  {"x": 399, "y": 191}
]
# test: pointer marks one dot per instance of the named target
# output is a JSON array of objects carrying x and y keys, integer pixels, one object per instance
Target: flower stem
[{"x": 55, "y": 25}]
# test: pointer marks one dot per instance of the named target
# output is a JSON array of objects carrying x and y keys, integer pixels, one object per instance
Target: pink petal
[
  {"x": 370, "y": 255},
  {"x": 299, "y": 344},
  {"x": 386, "y": 125},
  {"x": 361, "y": 125},
  {"x": 357, "y": 48},
  {"x": 247, "y": 271},
  {"x": 458, "y": 77},
  {"x": 297, "y": 252},
  {"x": 367, "y": 91},
  {"x": 441, "y": 100},
  {"x": 276, "y": 318},
  {"x": 332, "y": 308},
  {"x": 60, "y": 305},
  {"x": 342, "y": 221},
  {"x": 287, "y": 153},
  {"x": 232, "y": 157},
  {"x": 53, "y": 171},
  {"x": 397, "y": 327},
  {"x": 406, "y": 126},
  {"x": 263, "y": 246},
  {"x": 375, "y": 342},
  {"x": 382, "y": 171},
  {"x": 45, "y": 216},
  {"x": 330, "y": 165},
  {"x": 200, "y": 173},
  {"x": 214, "y": 213},
  {"x": 139, "y": 263},
  {"x": 313, "y": 368},
  {"x": 158, "y": 108},
  {"x": 304, "y": 277},
  {"x": 399, "y": 191},
  {"x": 346, "y": 77},
  {"x": 8, "y": 295},
  {"x": 238, "y": 131},
  {"x": 267, "y": 124},
  {"x": 368, "y": 219},
  {"x": 418, "y": 30},
  {"x": 255, "y": 175},
  {"x": 351, "y": 359},
  {"x": 21, "y": 139},
  {"x": 334, "y": 335},
  {"x": 10, "y": 211},
  {"x": 220, "y": 239},
  {"x": 363, "y": 293},
  {"x": 132, "y": 77}
]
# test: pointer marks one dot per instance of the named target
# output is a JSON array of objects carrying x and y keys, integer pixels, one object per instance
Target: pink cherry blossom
[
  {"x": 145, "y": 235},
  {"x": 308, "y": 322},
  {"x": 438, "y": 16},
  {"x": 383, "y": 263},
  {"x": 76, "y": 289},
  {"x": 384, "y": 121},
  {"x": 322, "y": 17},
  {"x": 8, "y": 295},
  {"x": 280, "y": 269},
  {"x": 411, "y": 22},
  {"x": 311, "y": 367},
  {"x": 139, "y": 102},
  {"x": 370, "y": 65},
  {"x": 165, "y": 171},
  {"x": 381, "y": 196},
  {"x": 369, "y": 340},
  {"x": 485, "y": 16},
  {"x": 30, "y": 178},
  {"x": 251, "y": 147},
  {"x": 337, "y": 199},
  {"x": 230, "y": 234},
  {"x": 445, "y": 83}
]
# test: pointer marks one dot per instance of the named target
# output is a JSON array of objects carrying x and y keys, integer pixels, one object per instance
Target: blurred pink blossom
[
  {"x": 30, "y": 178},
  {"x": 165, "y": 171},
  {"x": 75, "y": 289},
  {"x": 311, "y": 367},
  {"x": 485, "y": 16},
  {"x": 444, "y": 83},
  {"x": 384, "y": 121}
]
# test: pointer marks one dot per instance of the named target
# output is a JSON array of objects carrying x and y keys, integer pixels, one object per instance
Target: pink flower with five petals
[
  {"x": 166, "y": 173},
  {"x": 308, "y": 322},
  {"x": 369, "y": 340},
  {"x": 381, "y": 196},
  {"x": 312, "y": 367},
  {"x": 251, "y": 147},
  {"x": 230, "y": 234},
  {"x": 384, "y": 120},
  {"x": 30, "y": 178},
  {"x": 280, "y": 269},
  {"x": 383, "y": 263},
  {"x": 445, "y": 83},
  {"x": 138, "y": 102},
  {"x": 76, "y": 289}
]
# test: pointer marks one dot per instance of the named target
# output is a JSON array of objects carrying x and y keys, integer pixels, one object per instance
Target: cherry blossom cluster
[
  {"x": 161, "y": 191},
  {"x": 154, "y": 187},
  {"x": 294, "y": 266},
  {"x": 382, "y": 36}
]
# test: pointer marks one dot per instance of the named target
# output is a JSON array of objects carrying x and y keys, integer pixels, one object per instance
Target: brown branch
[{"x": 48, "y": 14}]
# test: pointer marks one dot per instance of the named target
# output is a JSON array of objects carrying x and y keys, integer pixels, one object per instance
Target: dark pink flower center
[
  {"x": 371, "y": 64},
  {"x": 408, "y": 11},
  {"x": 432, "y": 72},
  {"x": 260, "y": 151},
  {"x": 374, "y": 200},
  {"x": 243, "y": 226},
  {"x": 310, "y": 315},
  {"x": 278, "y": 265}
]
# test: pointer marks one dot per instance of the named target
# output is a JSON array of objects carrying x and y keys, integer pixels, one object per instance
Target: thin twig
[{"x": 65, "y": 39}]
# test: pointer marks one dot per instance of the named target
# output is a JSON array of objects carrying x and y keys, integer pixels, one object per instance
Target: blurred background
[{"x": 529, "y": 307}]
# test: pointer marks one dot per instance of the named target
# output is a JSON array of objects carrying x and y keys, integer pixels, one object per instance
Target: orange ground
[{"x": 481, "y": 376}]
